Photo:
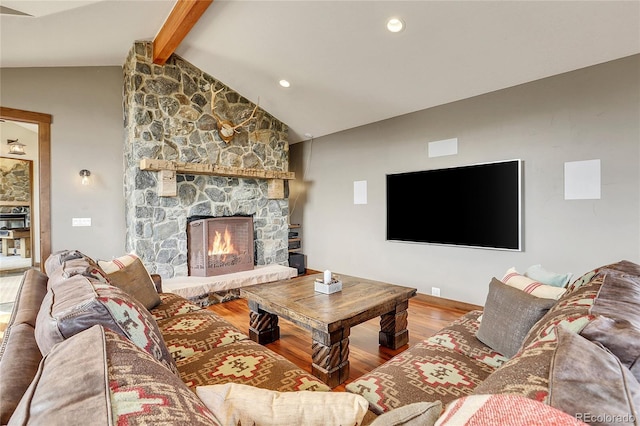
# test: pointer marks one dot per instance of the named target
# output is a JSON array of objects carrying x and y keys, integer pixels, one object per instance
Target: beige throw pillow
[
  {"x": 129, "y": 274},
  {"x": 235, "y": 404}
]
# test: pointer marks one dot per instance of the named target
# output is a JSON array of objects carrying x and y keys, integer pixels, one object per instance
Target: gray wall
[
  {"x": 86, "y": 133},
  {"x": 10, "y": 130},
  {"x": 593, "y": 113},
  {"x": 587, "y": 114}
]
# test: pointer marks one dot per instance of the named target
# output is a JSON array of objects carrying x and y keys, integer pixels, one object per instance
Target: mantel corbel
[{"x": 167, "y": 186}]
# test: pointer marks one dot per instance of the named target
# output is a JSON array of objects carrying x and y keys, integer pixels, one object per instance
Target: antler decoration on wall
[{"x": 226, "y": 129}]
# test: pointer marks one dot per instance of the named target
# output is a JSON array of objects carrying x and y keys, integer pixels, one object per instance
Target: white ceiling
[{"x": 345, "y": 68}]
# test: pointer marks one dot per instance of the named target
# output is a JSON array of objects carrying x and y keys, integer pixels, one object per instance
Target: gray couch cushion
[
  {"x": 79, "y": 302},
  {"x": 19, "y": 354},
  {"x": 620, "y": 337},
  {"x": 617, "y": 326},
  {"x": 416, "y": 414},
  {"x": 56, "y": 259},
  {"x": 18, "y": 367},
  {"x": 588, "y": 380},
  {"x": 29, "y": 297},
  {"x": 508, "y": 316}
]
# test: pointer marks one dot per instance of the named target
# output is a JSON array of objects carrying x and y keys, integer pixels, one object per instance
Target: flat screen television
[{"x": 474, "y": 206}]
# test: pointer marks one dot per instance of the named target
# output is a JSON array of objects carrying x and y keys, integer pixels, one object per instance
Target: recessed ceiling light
[
  {"x": 284, "y": 83},
  {"x": 395, "y": 25}
]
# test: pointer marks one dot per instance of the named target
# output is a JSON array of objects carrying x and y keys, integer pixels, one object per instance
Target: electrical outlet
[{"x": 435, "y": 291}]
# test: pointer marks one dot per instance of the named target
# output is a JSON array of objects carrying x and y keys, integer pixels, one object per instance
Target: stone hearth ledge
[{"x": 194, "y": 287}]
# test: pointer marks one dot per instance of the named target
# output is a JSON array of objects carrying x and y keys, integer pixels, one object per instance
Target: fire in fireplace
[{"x": 219, "y": 245}]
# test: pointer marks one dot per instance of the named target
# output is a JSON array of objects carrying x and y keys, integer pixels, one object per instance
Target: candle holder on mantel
[{"x": 328, "y": 284}]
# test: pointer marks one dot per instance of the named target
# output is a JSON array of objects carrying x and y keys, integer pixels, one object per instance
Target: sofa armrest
[{"x": 157, "y": 281}]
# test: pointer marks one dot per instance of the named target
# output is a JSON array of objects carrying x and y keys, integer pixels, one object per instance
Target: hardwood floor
[{"x": 425, "y": 319}]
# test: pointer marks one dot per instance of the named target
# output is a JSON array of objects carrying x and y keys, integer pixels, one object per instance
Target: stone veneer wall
[
  {"x": 15, "y": 186},
  {"x": 167, "y": 113},
  {"x": 15, "y": 180}
]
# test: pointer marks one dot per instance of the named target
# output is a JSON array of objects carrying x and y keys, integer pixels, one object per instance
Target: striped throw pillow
[{"x": 535, "y": 288}]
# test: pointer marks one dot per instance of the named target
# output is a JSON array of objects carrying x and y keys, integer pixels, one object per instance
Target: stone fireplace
[
  {"x": 167, "y": 114},
  {"x": 220, "y": 245}
]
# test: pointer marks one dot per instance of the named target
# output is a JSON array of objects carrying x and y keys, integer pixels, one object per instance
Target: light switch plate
[{"x": 81, "y": 221}]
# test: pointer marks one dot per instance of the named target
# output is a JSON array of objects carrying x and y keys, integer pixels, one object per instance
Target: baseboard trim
[{"x": 448, "y": 303}]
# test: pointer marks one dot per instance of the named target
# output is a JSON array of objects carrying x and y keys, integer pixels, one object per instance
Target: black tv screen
[{"x": 475, "y": 206}]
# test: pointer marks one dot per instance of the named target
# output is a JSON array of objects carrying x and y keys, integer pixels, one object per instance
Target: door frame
[{"x": 44, "y": 171}]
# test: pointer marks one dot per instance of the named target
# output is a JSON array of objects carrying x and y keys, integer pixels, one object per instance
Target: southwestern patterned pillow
[
  {"x": 623, "y": 266},
  {"x": 79, "y": 302},
  {"x": 118, "y": 384},
  {"x": 572, "y": 311}
]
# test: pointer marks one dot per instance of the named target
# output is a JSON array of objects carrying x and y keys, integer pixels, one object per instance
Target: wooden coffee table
[{"x": 329, "y": 317}]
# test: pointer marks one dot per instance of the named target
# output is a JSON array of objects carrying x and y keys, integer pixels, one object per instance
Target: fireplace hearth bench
[
  {"x": 580, "y": 358},
  {"x": 205, "y": 291}
]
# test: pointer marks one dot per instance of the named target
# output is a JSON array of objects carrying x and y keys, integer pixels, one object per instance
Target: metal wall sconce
[
  {"x": 84, "y": 173},
  {"x": 15, "y": 147}
]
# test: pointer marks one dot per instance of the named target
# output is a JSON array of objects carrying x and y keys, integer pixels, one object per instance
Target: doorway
[
  {"x": 43, "y": 165},
  {"x": 18, "y": 223}
]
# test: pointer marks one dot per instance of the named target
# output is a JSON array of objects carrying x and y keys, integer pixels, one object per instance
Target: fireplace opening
[{"x": 219, "y": 245}]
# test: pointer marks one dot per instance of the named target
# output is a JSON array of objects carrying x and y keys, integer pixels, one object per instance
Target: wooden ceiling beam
[{"x": 182, "y": 18}]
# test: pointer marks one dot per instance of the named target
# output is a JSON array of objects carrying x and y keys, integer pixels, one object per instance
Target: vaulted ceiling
[{"x": 345, "y": 68}]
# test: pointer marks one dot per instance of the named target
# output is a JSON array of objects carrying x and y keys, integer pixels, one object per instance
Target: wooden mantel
[{"x": 168, "y": 169}]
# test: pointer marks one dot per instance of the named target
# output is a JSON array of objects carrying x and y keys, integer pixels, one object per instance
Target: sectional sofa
[
  {"x": 99, "y": 343},
  {"x": 112, "y": 358},
  {"x": 575, "y": 351}
]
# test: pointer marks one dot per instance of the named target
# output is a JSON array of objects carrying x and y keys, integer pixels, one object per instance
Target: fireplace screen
[{"x": 220, "y": 245}]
